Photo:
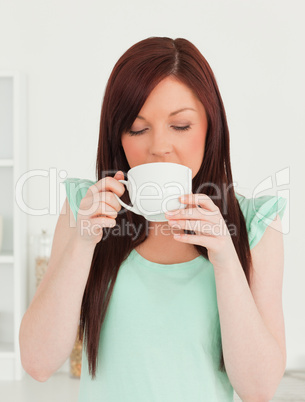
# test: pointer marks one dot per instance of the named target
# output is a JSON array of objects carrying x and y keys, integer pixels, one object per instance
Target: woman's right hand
[{"x": 99, "y": 208}]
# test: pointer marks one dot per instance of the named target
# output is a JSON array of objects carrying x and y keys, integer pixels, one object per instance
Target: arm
[
  {"x": 49, "y": 327},
  {"x": 251, "y": 319}
]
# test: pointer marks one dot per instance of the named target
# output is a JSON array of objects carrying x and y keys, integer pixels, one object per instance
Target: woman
[{"x": 163, "y": 318}]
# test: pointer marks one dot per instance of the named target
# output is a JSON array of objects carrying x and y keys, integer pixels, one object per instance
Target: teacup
[{"x": 155, "y": 188}]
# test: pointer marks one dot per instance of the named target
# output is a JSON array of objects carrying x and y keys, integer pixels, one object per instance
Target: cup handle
[{"x": 130, "y": 208}]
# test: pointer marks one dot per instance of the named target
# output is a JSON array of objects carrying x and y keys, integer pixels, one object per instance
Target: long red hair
[{"x": 133, "y": 77}]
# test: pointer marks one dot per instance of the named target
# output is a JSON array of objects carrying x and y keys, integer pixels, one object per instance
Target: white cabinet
[{"x": 13, "y": 253}]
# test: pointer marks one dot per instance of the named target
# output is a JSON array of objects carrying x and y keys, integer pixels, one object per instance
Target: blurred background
[{"x": 55, "y": 60}]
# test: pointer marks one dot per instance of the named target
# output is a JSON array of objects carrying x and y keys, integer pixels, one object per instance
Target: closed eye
[{"x": 177, "y": 128}]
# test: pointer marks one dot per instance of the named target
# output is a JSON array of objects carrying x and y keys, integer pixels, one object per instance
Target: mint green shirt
[{"x": 161, "y": 339}]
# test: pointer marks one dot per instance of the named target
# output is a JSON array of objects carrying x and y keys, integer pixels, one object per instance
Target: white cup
[{"x": 155, "y": 188}]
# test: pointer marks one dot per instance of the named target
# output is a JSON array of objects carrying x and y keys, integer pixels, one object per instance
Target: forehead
[
  {"x": 170, "y": 96},
  {"x": 170, "y": 85}
]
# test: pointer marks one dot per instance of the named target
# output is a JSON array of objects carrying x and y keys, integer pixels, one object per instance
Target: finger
[
  {"x": 108, "y": 184},
  {"x": 109, "y": 199},
  {"x": 203, "y": 200},
  {"x": 199, "y": 227},
  {"x": 200, "y": 240},
  {"x": 103, "y": 210},
  {"x": 192, "y": 213},
  {"x": 97, "y": 205},
  {"x": 103, "y": 221}
]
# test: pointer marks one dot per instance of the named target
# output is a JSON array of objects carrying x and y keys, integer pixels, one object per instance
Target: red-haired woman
[{"x": 162, "y": 317}]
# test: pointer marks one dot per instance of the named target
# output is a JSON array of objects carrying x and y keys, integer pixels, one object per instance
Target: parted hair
[{"x": 133, "y": 77}]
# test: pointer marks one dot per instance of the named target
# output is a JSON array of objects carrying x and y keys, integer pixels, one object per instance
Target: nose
[{"x": 161, "y": 145}]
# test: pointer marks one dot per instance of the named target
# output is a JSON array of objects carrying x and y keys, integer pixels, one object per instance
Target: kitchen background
[{"x": 64, "y": 52}]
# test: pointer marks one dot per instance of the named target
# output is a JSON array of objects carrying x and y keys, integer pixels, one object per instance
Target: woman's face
[{"x": 167, "y": 134}]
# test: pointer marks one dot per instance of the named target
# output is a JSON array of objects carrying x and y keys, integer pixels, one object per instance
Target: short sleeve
[
  {"x": 259, "y": 212},
  {"x": 76, "y": 189}
]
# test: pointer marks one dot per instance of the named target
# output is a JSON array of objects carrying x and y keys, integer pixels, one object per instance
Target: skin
[{"x": 161, "y": 142}]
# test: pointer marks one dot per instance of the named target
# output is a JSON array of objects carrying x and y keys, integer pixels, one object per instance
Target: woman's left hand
[{"x": 210, "y": 228}]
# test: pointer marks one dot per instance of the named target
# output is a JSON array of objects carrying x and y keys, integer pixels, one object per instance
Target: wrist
[
  {"x": 76, "y": 244},
  {"x": 229, "y": 268}
]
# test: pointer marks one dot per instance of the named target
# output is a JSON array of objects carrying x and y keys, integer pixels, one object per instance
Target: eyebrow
[{"x": 173, "y": 113}]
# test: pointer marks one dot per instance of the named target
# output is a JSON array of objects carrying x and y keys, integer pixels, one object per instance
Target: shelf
[
  {"x": 13, "y": 253},
  {"x": 7, "y": 361},
  {"x": 7, "y": 205},
  {"x": 6, "y": 117},
  {"x": 6, "y": 257},
  {"x": 6, "y": 162},
  {"x": 7, "y": 349}
]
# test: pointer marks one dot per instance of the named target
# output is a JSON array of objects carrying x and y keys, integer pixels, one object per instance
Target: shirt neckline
[{"x": 181, "y": 265}]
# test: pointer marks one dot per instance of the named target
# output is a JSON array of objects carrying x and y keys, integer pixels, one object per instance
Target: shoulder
[
  {"x": 76, "y": 188},
  {"x": 259, "y": 213}
]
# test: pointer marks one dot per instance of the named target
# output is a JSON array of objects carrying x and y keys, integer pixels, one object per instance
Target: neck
[
  {"x": 161, "y": 247},
  {"x": 161, "y": 238}
]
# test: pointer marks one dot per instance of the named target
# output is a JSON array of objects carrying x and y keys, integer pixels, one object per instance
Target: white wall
[{"x": 68, "y": 48}]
